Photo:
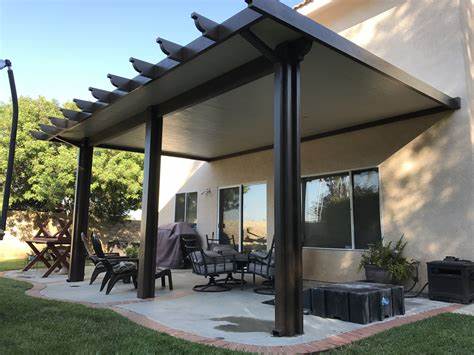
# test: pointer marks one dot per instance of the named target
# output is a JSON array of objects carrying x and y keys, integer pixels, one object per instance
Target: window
[
  {"x": 186, "y": 207},
  {"x": 342, "y": 210},
  {"x": 366, "y": 208},
  {"x": 327, "y": 212}
]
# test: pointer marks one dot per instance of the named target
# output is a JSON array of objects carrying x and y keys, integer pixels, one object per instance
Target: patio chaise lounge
[
  {"x": 209, "y": 264},
  {"x": 123, "y": 270},
  {"x": 99, "y": 267},
  {"x": 120, "y": 267}
]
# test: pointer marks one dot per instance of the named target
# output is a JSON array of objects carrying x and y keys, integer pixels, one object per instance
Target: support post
[
  {"x": 81, "y": 211},
  {"x": 151, "y": 190},
  {"x": 288, "y": 230}
]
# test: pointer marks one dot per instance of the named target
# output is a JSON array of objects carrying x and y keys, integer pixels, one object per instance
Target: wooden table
[{"x": 57, "y": 248}]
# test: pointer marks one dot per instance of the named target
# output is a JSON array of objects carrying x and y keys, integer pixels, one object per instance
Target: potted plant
[
  {"x": 132, "y": 251},
  {"x": 385, "y": 263}
]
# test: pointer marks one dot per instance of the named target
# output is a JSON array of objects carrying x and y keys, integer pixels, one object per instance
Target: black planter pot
[{"x": 377, "y": 274}]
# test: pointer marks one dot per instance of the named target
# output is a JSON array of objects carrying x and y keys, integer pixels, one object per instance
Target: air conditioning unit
[{"x": 451, "y": 280}]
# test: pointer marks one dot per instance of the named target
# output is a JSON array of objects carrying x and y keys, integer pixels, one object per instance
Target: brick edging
[{"x": 331, "y": 342}]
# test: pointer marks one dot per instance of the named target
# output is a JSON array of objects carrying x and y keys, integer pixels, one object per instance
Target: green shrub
[
  {"x": 132, "y": 251},
  {"x": 389, "y": 257}
]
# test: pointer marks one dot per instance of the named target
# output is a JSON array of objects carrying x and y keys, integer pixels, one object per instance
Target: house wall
[{"x": 426, "y": 164}]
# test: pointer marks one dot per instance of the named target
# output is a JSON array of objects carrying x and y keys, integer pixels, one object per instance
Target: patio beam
[
  {"x": 335, "y": 132},
  {"x": 73, "y": 115},
  {"x": 175, "y": 51},
  {"x": 209, "y": 29},
  {"x": 285, "y": 15},
  {"x": 62, "y": 123},
  {"x": 287, "y": 140},
  {"x": 80, "y": 217},
  {"x": 148, "y": 70},
  {"x": 125, "y": 84},
  {"x": 51, "y": 130},
  {"x": 163, "y": 153},
  {"x": 150, "y": 198},
  {"x": 106, "y": 96},
  {"x": 260, "y": 45},
  {"x": 89, "y": 106},
  {"x": 40, "y": 135}
]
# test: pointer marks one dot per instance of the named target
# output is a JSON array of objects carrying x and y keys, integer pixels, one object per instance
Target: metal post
[
  {"x": 81, "y": 211},
  {"x": 288, "y": 244},
  {"x": 11, "y": 151},
  {"x": 151, "y": 191}
]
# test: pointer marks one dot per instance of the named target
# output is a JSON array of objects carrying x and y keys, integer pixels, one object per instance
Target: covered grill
[{"x": 169, "y": 253}]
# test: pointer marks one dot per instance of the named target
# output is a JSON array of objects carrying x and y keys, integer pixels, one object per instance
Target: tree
[{"x": 44, "y": 174}]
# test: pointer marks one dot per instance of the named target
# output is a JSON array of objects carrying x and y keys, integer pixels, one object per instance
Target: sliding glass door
[
  {"x": 242, "y": 215},
  {"x": 254, "y": 216},
  {"x": 229, "y": 215}
]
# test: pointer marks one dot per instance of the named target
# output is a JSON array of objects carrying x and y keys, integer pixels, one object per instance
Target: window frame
[
  {"x": 350, "y": 173},
  {"x": 186, "y": 205}
]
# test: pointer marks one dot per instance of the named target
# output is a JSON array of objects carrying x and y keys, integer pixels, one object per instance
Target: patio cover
[
  {"x": 245, "y": 85},
  {"x": 216, "y": 93}
]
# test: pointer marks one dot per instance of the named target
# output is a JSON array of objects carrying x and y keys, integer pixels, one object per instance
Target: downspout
[{"x": 11, "y": 152}]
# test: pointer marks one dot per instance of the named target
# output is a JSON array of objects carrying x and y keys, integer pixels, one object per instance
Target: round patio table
[{"x": 241, "y": 261}]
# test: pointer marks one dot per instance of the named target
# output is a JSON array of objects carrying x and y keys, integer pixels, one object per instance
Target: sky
[{"x": 59, "y": 48}]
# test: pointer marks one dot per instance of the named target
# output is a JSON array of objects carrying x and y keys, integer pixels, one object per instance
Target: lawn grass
[
  {"x": 36, "y": 326},
  {"x": 19, "y": 264},
  {"x": 13, "y": 264},
  {"x": 447, "y": 333}
]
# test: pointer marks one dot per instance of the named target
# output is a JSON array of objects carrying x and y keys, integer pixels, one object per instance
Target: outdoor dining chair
[
  {"x": 263, "y": 265},
  {"x": 216, "y": 242},
  {"x": 209, "y": 264},
  {"x": 123, "y": 270}
]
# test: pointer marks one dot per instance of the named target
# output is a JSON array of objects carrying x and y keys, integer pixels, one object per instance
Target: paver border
[{"x": 316, "y": 346}]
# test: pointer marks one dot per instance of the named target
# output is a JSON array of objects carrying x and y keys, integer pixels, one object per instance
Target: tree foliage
[{"x": 44, "y": 173}]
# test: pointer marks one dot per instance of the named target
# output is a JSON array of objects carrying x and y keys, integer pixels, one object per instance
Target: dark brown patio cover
[{"x": 168, "y": 250}]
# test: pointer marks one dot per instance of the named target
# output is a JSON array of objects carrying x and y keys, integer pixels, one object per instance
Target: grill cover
[{"x": 168, "y": 251}]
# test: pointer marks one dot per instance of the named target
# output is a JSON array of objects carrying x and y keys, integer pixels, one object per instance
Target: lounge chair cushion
[
  {"x": 100, "y": 266},
  {"x": 125, "y": 266}
]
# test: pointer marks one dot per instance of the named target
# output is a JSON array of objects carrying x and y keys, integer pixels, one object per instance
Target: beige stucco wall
[
  {"x": 426, "y": 164},
  {"x": 428, "y": 185}
]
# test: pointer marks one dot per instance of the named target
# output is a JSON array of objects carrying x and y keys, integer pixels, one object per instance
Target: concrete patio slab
[
  {"x": 469, "y": 310},
  {"x": 235, "y": 317}
]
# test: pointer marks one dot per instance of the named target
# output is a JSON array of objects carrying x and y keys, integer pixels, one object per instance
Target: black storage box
[
  {"x": 451, "y": 280},
  {"x": 357, "y": 302}
]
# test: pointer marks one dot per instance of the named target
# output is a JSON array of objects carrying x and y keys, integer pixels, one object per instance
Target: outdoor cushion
[
  {"x": 125, "y": 266},
  {"x": 261, "y": 269},
  {"x": 259, "y": 254},
  {"x": 100, "y": 266},
  {"x": 211, "y": 257},
  {"x": 215, "y": 268},
  {"x": 226, "y": 248}
]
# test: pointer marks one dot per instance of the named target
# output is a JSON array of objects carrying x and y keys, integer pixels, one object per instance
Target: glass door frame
[{"x": 241, "y": 214}]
